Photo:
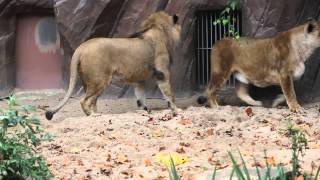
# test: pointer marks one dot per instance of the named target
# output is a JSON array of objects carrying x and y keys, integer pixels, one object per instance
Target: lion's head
[{"x": 164, "y": 23}]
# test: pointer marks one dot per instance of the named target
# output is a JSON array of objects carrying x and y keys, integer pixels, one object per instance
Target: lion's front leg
[{"x": 286, "y": 84}]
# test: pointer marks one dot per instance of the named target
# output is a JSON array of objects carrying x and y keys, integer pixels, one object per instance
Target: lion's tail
[{"x": 73, "y": 80}]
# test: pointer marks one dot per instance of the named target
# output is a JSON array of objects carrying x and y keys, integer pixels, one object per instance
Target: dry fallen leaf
[
  {"x": 257, "y": 164},
  {"x": 80, "y": 162},
  {"x": 185, "y": 121},
  {"x": 82, "y": 178},
  {"x": 65, "y": 162},
  {"x": 49, "y": 162},
  {"x": 166, "y": 117},
  {"x": 105, "y": 169},
  {"x": 222, "y": 166},
  {"x": 108, "y": 157},
  {"x": 210, "y": 132},
  {"x": 249, "y": 111},
  {"x": 128, "y": 173},
  {"x": 187, "y": 177},
  {"x": 271, "y": 161},
  {"x": 121, "y": 159},
  {"x": 157, "y": 133},
  {"x": 43, "y": 107},
  {"x": 102, "y": 166},
  {"x": 138, "y": 176},
  {"x": 75, "y": 150},
  {"x": 314, "y": 146},
  {"x": 184, "y": 144},
  {"x": 151, "y": 119},
  {"x": 180, "y": 150},
  {"x": 162, "y": 148},
  {"x": 147, "y": 162}
]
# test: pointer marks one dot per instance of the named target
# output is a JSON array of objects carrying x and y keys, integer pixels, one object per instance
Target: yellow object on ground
[{"x": 164, "y": 158}]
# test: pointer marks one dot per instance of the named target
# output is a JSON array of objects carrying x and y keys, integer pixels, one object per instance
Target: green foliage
[
  {"x": 226, "y": 20},
  {"x": 173, "y": 171},
  {"x": 20, "y": 134},
  {"x": 298, "y": 145}
]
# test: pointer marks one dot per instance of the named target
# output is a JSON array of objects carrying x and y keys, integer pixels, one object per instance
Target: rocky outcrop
[{"x": 79, "y": 20}]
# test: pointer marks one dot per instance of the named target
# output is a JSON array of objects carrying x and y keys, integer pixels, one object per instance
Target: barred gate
[{"x": 206, "y": 35}]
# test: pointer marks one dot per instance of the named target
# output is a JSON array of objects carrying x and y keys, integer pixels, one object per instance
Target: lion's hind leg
[
  {"x": 278, "y": 100},
  {"x": 141, "y": 97},
  {"x": 165, "y": 88},
  {"x": 243, "y": 94},
  {"x": 218, "y": 78},
  {"x": 94, "y": 90},
  {"x": 221, "y": 70}
]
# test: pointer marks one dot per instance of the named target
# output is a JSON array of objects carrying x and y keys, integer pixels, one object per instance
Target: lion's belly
[
  {"x": 263, "y": 80},
  {"x": 132, "y": 75}
]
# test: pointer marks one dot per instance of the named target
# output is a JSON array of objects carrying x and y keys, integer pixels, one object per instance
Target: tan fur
[
  {"x": 271, "y": 61},
  {"x": 135, "y": 59}
]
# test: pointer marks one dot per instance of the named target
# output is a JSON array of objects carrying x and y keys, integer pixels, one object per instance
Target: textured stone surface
[{"x": 79, "y": 20}]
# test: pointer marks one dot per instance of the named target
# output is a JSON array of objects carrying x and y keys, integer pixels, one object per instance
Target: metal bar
[
  {"x": 234, "y": 20},
  {"x": 210, "y": 45},
  {"x": 198, "y": 52},
  {"x": 202, "y": 44},
  {"x": 217, "y": 27},
  {"x": 207, "y": 51}
]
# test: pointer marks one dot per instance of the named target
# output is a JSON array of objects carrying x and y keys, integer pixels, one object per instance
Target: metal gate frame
[{"x": 206, "y": 35}]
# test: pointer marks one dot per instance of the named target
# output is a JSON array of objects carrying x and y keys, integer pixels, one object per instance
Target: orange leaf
[
  {"x": 157, "y": 133},
  {"x": 180, "y": 150},
  {"x": 185, "y": 121},
  {"x": 147, "y": 162},
  {"x": 271, "y": 161},
  {"x": 65, "y": 162},
  {"x": 50, "y": 162},
  {"x": 121, "y": 159}
]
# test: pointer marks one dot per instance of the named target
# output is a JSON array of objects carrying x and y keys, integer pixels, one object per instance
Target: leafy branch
[
  {"x": 20, "y": 135},
  {"x": 226, "y": 20}
]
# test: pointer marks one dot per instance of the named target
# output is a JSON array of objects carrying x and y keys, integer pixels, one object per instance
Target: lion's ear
[
  {"x": 175, "y": 18},
  {"x": 311, "y": 25}
]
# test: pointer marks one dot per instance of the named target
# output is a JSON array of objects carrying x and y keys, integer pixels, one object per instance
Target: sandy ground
[{"x": 122, "y": 143}]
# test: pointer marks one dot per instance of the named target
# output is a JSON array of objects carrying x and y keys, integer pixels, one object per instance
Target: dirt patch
[{"x": 123, "y": 142}]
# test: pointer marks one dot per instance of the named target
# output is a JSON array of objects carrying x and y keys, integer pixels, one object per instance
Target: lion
[
  {"x": 145, "y": 55},
  {"x": 278, "y": 60}
]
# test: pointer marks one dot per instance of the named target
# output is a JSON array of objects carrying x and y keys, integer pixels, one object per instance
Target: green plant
[
  {"x": 298, "y": 145},
  {"x": 226, "y": 20},
  {"x": 20, "y": 134},
  {"x": 173, "y": 171}
]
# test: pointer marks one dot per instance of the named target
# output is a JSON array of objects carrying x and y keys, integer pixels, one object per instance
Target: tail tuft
[
  {"x": 49, "y": 115},
  {"x": 202, "y": 99}
]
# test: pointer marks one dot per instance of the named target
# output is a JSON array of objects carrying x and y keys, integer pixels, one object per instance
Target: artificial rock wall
[{"x": 79, "y": 20}]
